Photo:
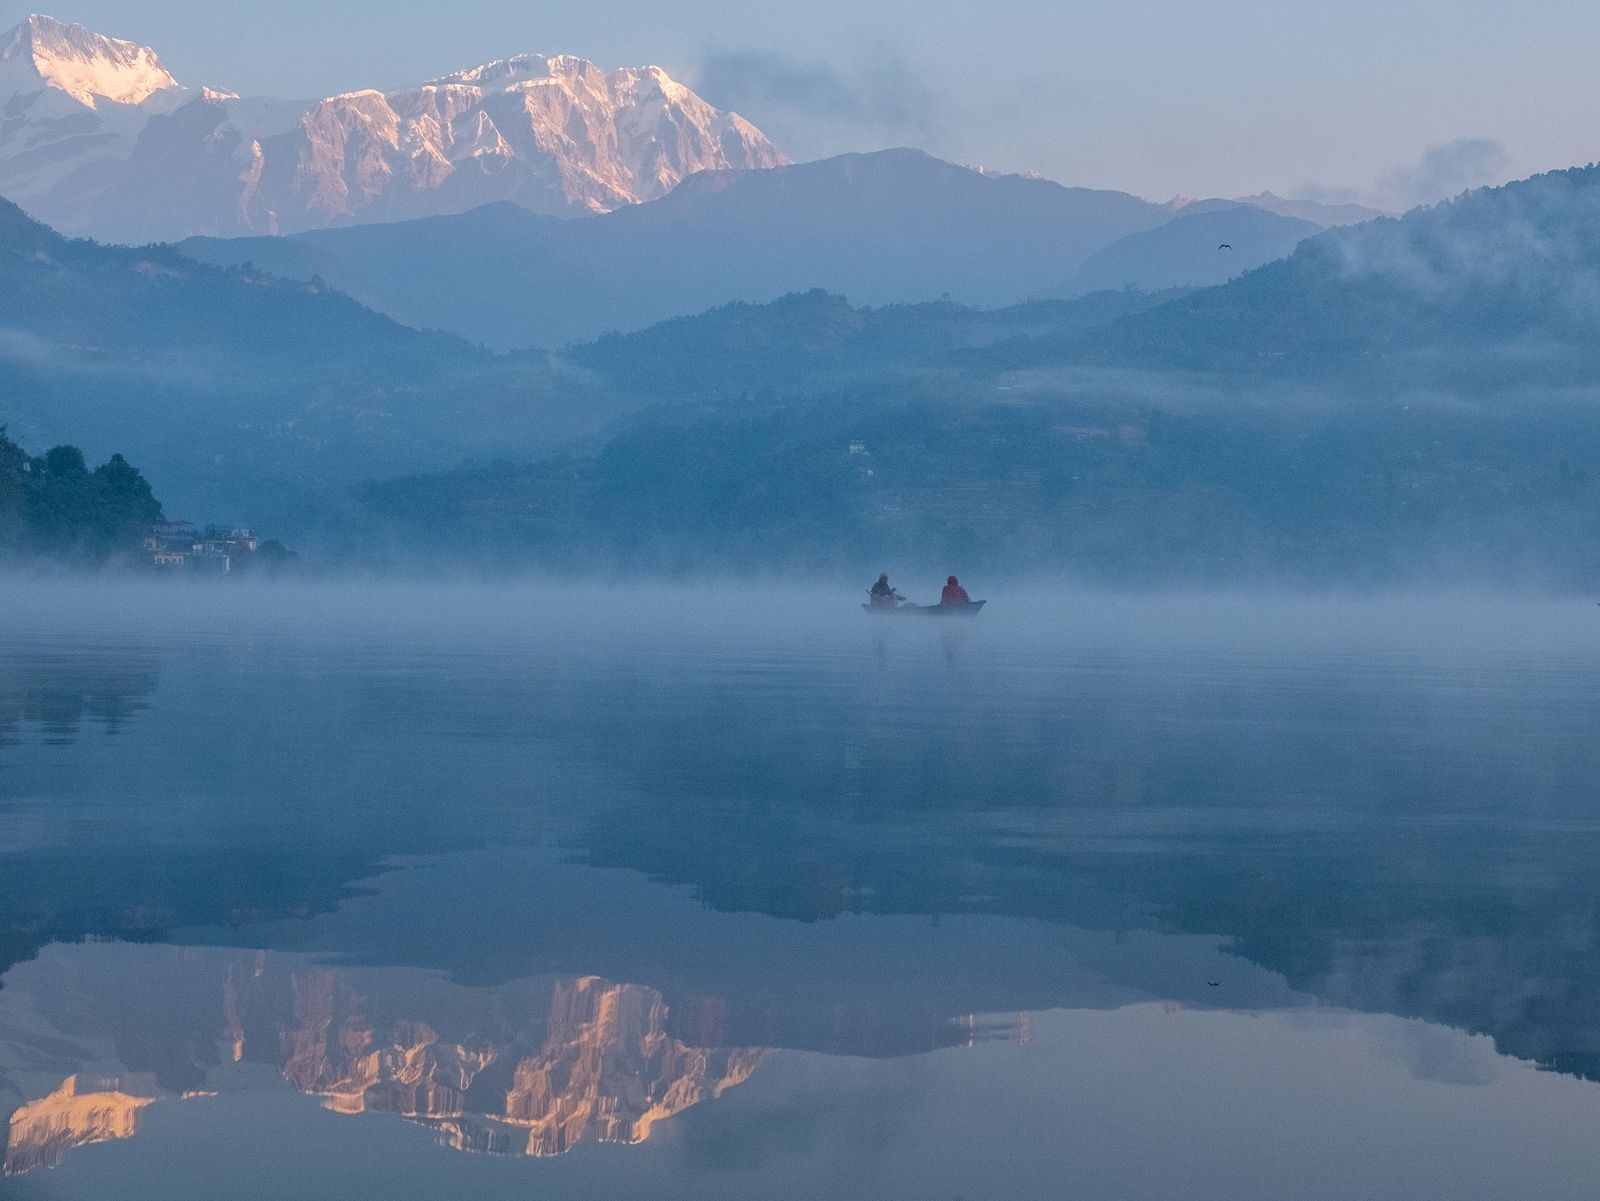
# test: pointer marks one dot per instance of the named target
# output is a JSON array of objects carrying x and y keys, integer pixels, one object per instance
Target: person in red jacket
[{"x": 954, "y": 593}]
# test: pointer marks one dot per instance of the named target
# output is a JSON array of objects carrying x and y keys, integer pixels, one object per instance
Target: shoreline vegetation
[{"x": 55, "y": 509}]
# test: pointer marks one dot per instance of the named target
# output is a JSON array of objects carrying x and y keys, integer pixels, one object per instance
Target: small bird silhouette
[
  {"x": 1214, "y": 983},
  {"x": 1225, "y": 246}
]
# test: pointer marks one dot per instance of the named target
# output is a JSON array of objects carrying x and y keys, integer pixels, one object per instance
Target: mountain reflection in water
[
  {"x": 540, "y": 884},
  {"x": 532, "y": 1067},
  {"x": 80, "y": 1112}
]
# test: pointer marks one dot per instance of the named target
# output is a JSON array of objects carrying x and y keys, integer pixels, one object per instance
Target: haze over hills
[
  {"x": 1406, "y": 399},
  {"x": 233, "y": 389},
  {"x": 1314, "y": 211},
  {"x": 806, "y": 342},
  {"x": 100, "y": 139},
  {"x": 1386, "y": 386},
  {"x": 889, "y": 227},
  {"x": 1183, "y": 253},
  {"x": 1194, "y": 249},
  {"x": 1499, "y": 287}
]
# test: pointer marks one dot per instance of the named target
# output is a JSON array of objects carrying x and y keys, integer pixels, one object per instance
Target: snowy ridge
[
  {"x": 555, "y": 134},
  {"x": 85, "y": 65}
]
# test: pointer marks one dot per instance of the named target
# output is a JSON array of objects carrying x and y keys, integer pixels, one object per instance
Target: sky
[{"x": 1393, "y": 102}]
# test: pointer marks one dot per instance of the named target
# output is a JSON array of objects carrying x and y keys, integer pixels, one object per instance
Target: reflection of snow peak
[
  {"x": 506, "y": 1079},
  {"x": 80, "y": 1112},
  {"x": 607, "y": 1069}
]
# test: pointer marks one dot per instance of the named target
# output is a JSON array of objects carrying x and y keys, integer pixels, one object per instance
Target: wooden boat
[{"x": 908, "y": 609}]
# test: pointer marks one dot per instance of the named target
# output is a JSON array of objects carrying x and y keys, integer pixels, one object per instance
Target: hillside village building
[{"x": 179, "y": 545}]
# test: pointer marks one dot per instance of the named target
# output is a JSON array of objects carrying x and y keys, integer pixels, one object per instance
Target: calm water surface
[{"x": 392, "y": 893}]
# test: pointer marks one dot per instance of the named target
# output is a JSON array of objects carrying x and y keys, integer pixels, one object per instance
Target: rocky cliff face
[
  {"x": 556, "y": 135},
  {"x": 98, "y": 138}
]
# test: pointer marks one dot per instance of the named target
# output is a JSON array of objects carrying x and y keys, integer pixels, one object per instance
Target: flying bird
[
  {"x": 1214, "y": 983},
  {"x": 1224, "y": 246}
]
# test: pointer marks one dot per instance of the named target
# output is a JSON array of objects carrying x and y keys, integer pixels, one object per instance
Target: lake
[{"x": 398, "y": 891}]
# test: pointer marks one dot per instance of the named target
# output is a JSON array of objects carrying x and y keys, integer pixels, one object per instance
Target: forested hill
[
  {"x": 889, "y": 227},
  {"x": 1405, "y": 400},
  {"x": 1499, "y": 286},
  {"x": 811, "y": 340},
  {"x": 1366, "y": 493},
  {"x": 96, "y": 300},
  {"x": 234, "y": 387},
  {"x": 1497, "y": 289},
  {"x": 54, "y": 507}
]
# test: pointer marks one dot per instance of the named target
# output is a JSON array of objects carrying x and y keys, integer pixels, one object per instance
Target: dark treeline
[{"x": 54, "y": 506}]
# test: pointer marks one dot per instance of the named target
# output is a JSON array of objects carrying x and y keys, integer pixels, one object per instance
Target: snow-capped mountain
[
  {"x": 97, "y": 138},
  {"x": 553, "y": 134},
  {"x": 72, "y": 102},
  {"x": 43, "y": 53}
]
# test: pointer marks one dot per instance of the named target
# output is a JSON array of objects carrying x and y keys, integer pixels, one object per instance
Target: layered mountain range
[
  {"x": 227, "y": 376},
  {"x": 465, "y": 182},
  {"x": 250, "y": 373},
  {"x": 892, "y": 226},
  {"x": 99, "y": 138},
  {"x": 1406, "y": 398}
]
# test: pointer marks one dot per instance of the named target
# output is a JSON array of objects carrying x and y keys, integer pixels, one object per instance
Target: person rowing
[{"x": 883, "y": 594}]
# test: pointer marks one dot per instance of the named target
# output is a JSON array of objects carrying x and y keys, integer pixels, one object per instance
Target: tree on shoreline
[{"x": 55, "y": 506}]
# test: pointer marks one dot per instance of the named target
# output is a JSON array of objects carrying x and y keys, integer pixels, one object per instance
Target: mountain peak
[
  {"x": 501, "y": 71},
  {"x": 1312, "y": 210},
  {"x": 555, "y": 132},
  {"x": 90, "y": 67},
  {"x": 509, "y": 74}
]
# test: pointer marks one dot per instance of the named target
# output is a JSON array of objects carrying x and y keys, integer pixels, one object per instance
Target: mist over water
[
  {"x": 447, "y": 747},
  {"x": 705, "y": 890}
]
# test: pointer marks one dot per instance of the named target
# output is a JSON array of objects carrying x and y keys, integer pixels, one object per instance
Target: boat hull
[{"x": 970, "y": 609}]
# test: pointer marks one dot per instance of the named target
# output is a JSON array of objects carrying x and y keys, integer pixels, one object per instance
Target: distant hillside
[
  {"x": 807, "y": 341},
  {"x": 1362, "y": 493},
  {"x": 1194, "y": 249},
  {"x": 1315, "y": 211},
  {"x": 1498, "y": 288},
  {"x": 234, "y": 387},
  {"x": 1403, "y": 400},
  {"x": 892, "y": 227}
]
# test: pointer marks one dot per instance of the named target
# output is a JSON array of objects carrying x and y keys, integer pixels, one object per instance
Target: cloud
[
  {"x": 1324, "y": 194},
  {"x": 1441, "y": 172},
  {"x": 1447, "y": 170},
  {"x": 813, "y": 107}
]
